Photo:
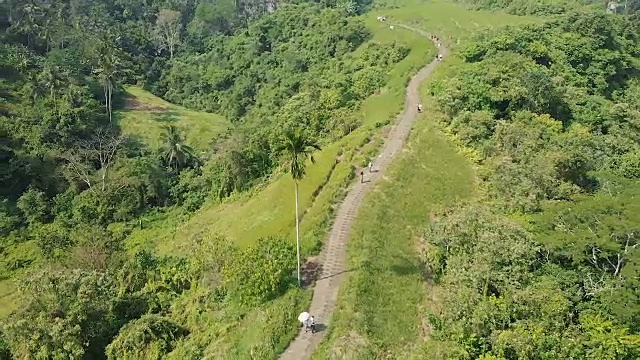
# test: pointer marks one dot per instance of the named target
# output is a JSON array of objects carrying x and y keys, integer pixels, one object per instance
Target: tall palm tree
[
  {"x": 109, "y": 67},
  {"x": 176, "y": 152},
  {"x": 297, "y": 147}
]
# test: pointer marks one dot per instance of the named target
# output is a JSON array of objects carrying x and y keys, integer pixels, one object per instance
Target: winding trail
[{"x": 333, "y": 256}]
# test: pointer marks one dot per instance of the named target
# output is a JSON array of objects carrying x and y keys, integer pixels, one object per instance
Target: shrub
[
  {"x": 150, "y": 337},
  {"x": 260, "y": 272}
]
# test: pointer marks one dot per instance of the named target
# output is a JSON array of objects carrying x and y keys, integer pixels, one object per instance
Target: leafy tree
[
  {"x": 66, "y": 315},
  {"x": 168, "y": 28},
  {"x": 605, "y": 340},
  {"x": 34, "y": 206},
  {"x": 296, "y": 147},
  {"x": 52, "y": 238},
  {"x": 109, "y": 68}
]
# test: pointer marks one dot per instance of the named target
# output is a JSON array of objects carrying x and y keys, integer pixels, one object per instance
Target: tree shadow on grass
[
  {"x": 167, "y": 117},
  {"x": 312, "y": 271},
  {"x": 404, "y": 266}
]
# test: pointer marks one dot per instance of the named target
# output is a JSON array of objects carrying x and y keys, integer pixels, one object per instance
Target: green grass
[
  {"x": 451, "y": 22},
  {"x": 146, "y": 114},
  {"x": 230, "y": 332},
  {"x": 20, "y": 252},
  {"x": 381, "y": 304}
]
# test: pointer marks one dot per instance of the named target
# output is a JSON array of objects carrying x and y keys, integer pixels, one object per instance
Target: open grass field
[
  {"x": 451, "y": 22},
  {"x": 146, "y": 114}
]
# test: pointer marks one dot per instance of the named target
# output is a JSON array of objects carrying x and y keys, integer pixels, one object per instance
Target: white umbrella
[{"x": 304, "y": 316}]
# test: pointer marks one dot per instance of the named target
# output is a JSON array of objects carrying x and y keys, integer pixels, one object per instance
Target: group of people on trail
[
  {"x": 370, "y": 166},
  {"x": 439, "y": 44}
]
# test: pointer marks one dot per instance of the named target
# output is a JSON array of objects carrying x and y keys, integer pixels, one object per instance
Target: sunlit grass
[
  {"x": 380, "y": 300},
  {"x": 450, "y": 21},
  {"x": 146, "y": 115}
]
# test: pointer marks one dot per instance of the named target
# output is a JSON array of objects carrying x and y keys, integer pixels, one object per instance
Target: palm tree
[
  {"x": 108, "y": 68},
  {"x": 297, "y": 147},
  {"x": 175, "y": 150}
]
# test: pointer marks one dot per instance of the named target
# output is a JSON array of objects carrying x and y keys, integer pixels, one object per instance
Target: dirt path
[{"x": 325, "y": 293}]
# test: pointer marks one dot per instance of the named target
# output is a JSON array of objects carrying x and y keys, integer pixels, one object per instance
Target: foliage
[
  {"x": 542, "y": 130},
  {"x": 261, "y": 272},
  {"x": 5, "y": 352},
  {"x": 527, "y": 7},
  {"x": 80, "y": 171},
  {"x": 34, "y": 206},
  {"x": 297, "y": 147},
  {"x": 150, "y": 337},
  {"x": 551, "y": 110},
  {"x": 176, "y": 153},
  {"x": 67, "y": 315}
]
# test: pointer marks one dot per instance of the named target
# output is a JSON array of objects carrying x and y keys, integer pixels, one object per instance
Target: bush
[
  {"x": 5, "y": 353},
  {"x": 34, "y": 206},
  {"x": 260, "y": 272},
  {"x": 68, "y": 315},
  {"x": 150, "y": 337}
]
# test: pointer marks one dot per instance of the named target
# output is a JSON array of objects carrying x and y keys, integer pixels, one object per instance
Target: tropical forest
[{"x": 427, "y": 179}]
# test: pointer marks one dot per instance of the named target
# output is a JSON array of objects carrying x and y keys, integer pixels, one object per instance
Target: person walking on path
[
  {"x": 370, "y": 166},
  {"x": 310, "y": 325},
  {"x": 361, "y": 177}
]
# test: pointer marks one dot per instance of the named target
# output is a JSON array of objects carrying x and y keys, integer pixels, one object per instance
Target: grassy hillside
[
  {"x": 379, "y": 304},
  {"x": 146, "y": 114},
  {"x": 450, "y": 21},
  {"x": 269, "y": 210},
  {"x": 385, "y": 289},
  {"x": 405, "y": 299}
]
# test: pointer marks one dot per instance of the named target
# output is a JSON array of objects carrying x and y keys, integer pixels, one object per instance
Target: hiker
[
  {"x": 361, "y": 177},
  {"x": 370, "y": 166},
  {"x": 419, "y": 108},
  {"x": 310, "y": 324},
  {"x": 439, "y": 57}
]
